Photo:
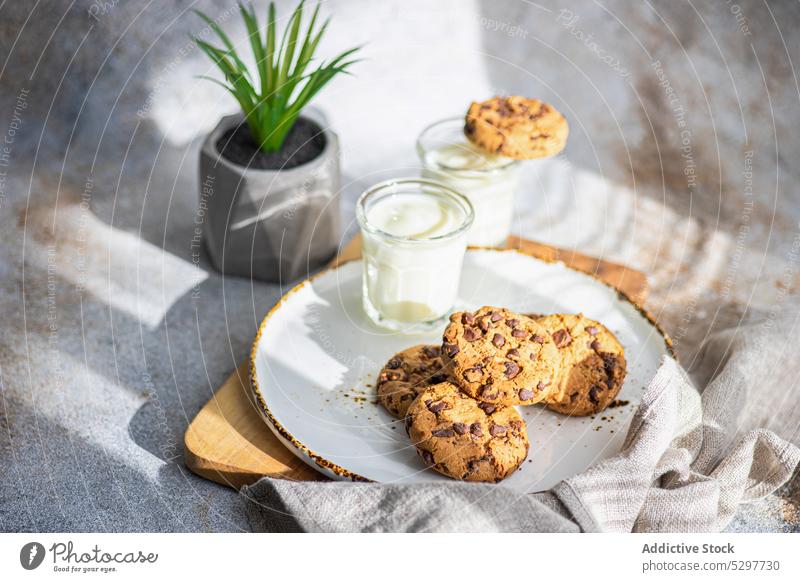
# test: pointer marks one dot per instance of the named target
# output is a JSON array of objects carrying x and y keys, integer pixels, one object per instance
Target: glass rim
[
  {"x": 443, "y": 190},
  {"x": 422, "y": 150}
]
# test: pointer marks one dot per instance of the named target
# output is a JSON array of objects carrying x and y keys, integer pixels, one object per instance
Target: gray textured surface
[{"x": 114, "y": 330}]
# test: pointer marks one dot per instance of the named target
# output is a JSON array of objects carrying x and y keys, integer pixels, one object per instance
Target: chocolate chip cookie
[
  {"x": 593, "y": 364},
  {"x": 466, "y": 439},
  {"x": 516, "y": 127},
  {"x": 408, "y": 373},
  {"x": 501, "y": 357}
]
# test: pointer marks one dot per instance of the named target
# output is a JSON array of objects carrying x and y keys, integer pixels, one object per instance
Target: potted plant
[{"x": 269, "y": 175}]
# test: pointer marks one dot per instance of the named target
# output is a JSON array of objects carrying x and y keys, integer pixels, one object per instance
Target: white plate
[{"x": 316, "y": 357}]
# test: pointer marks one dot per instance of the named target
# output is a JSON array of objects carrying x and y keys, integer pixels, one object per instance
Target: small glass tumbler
[
  {"x": 414, "y": 236},
  {"x": 487, "y": 180}
]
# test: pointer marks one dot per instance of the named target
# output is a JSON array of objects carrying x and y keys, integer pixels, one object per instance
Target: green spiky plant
[{"x": 273, "y": 96}]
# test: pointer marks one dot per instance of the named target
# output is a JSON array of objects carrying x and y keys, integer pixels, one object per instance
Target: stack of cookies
[{"x": 458, "y": 399}]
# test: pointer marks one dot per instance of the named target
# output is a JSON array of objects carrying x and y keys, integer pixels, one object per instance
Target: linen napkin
[{"x": 689, "y": 459}]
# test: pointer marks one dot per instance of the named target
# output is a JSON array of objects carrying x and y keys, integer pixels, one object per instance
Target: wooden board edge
[{"x": 198, "y": 459}]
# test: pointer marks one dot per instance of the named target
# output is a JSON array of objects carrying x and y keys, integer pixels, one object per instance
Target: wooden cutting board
[{"x": 229, "y": 443}]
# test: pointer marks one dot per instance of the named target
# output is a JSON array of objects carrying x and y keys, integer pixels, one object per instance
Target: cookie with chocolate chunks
[
  {"x": 408, "y": 373},
  {"x": 466, "y": 439},
  {"x": 593, "y": 364},
  {"x": 500, "y": 357},
  {"x": 516, "y": 127}
]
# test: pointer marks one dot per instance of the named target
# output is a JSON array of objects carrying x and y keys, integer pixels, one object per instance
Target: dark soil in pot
[{"x": 305, "y": 141}]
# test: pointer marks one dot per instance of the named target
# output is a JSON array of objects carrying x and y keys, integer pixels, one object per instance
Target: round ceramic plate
[{"x": 316, "y": 358}]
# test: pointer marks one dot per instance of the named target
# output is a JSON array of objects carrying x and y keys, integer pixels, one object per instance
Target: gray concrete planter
[{"x": 271, "y": 225}]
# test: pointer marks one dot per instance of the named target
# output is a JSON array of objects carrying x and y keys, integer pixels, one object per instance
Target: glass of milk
[
  {"x": 414, "y": 236},
  {"x": 487, "y": 180}
]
